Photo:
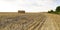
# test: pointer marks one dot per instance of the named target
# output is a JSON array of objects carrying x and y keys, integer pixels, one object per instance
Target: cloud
[
  {"x": 9, "y": 0},
  {"x": 6, "y": 6},
  {"x": 36, "y": 5},
  {"x": 27, "y": 5}
]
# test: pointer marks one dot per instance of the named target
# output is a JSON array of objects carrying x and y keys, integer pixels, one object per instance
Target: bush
[{"x": 50, "y": 11}]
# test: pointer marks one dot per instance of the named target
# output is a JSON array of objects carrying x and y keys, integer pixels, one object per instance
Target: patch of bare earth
[{"x": 52, "y": 22}]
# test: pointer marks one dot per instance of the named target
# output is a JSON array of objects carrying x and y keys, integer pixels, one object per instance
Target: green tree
[
  {"x": 58, "y": 9},
  {"x": 50, "y": 11}
]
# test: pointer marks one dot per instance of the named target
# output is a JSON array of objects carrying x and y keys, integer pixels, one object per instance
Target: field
[{"x": 29, "y": 21}]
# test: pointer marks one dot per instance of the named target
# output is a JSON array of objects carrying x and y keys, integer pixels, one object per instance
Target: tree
[
  {"x": 50, "y": 11},
  {"x": 58, "y": 9}
]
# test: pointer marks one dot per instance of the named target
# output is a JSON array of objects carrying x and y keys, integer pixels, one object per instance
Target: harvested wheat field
[{"x": 29, "y": 21}]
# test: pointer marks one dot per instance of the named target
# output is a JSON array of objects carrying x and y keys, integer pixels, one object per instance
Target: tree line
[{"x": 57, "y": 10}]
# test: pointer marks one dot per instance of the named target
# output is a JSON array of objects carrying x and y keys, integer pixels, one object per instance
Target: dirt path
[{"x": 50, "y": 24}]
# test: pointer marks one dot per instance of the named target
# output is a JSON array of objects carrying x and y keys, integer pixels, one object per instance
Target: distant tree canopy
[
  {"x": 58, "y": 9},
  {"x": 50, "y": 11}
]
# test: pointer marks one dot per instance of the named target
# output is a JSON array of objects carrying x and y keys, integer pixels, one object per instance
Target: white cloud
[
  {"x": 6, "y": 6},
  {"x": 36, "y": 5},
  {"x": 27, "y": 5}
]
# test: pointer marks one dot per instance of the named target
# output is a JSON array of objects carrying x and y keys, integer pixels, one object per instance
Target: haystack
[{"x": 21, "y": 11}]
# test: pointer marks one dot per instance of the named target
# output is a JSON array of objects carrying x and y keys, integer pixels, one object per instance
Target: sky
[{"x": 28, "y": 5}]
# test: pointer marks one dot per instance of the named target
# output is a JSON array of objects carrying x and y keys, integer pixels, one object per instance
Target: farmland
[{"x": 28, "y": 21}]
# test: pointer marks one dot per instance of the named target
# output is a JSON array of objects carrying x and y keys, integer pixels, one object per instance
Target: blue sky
[{"x": 28, "y": 5}]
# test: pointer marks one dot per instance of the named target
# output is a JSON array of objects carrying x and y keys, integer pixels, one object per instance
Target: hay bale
[{"x": 21, "y": 11}]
